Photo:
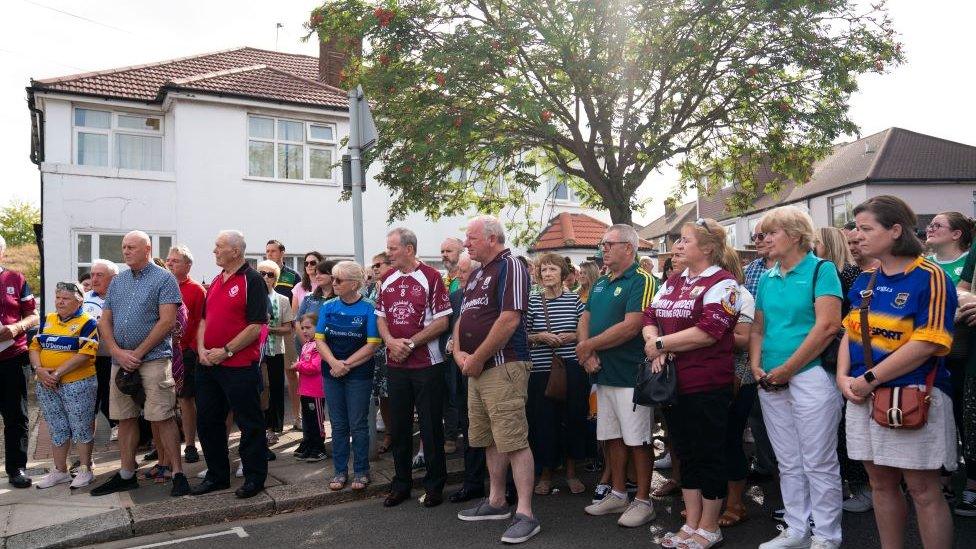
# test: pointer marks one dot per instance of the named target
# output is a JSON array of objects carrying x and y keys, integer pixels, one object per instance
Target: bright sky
[{"x": 931, "y": 93}]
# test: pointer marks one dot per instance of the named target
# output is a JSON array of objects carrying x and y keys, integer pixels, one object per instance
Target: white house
[{"x": 242, "y": 138}]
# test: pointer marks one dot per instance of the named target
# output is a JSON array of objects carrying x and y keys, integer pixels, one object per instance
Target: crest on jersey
[
  {"x": 234, "y": 290},
  {"x": 486, "y": 283},
  {"x": 617, "y": 291},
  {"x": 901, "y": 299},
  {"x": 696, "y": 291}
]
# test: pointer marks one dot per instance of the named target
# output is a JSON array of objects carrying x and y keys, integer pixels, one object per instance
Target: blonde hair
[
  {"x": 271, "y": 266},
  {"x": 709, "y": 233},
  {"x": 350, "y": 270},
  {"x": 835, "y": 247},
  {"x": 795, "y": 222},
  {"x": 730, "y": 262}
]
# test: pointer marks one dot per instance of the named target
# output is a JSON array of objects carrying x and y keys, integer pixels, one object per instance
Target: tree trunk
[{"x": 620, "y": 212}]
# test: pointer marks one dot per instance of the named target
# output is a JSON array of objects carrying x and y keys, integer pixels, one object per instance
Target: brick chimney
[{"x": 332, "y": 59}]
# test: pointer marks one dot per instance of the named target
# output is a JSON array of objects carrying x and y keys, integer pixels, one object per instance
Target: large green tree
[
  {"x": 17, "y": 221},
  {"x": 606, "y": 91}
]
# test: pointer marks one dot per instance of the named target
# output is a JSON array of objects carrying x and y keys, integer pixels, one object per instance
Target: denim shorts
[{"x": 69, "y": 410}]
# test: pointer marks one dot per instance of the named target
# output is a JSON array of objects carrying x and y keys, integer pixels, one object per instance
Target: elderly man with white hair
[
  {"x": 18, "y": 314},
  {"x": 102, "y": 272},
  {"x": 136, "y": 325}
]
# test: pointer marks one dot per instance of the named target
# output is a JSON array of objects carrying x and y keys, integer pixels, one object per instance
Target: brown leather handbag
[
  {"x": 556, "y": 387},
  {"x": 894, "y": 407}
]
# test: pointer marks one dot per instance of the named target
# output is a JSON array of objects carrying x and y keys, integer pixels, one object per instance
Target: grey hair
[
  {"x": 465, "y": 256},
  {"x": 3, "y": 243},
  {"x": 456, "y": 240},
  {"x": 490, "y": 225},
  {"x": 406, "y": 236},
  {"x": 626, "y": 232},
  {"x": 184, "y": 252},
  {"x": 109, "y": 265},
  {"x": 235, "y": 238}
]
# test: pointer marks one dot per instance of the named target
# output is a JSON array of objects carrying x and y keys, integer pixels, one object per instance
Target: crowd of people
[{"x": 843, "y": 354}]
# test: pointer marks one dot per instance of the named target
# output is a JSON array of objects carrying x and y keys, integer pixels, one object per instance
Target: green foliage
[
  {"x": 17, "y": 221},
  {"x": 604, "y": 90}
]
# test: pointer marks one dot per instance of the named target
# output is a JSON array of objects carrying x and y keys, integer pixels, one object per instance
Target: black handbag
[{"x": 656, "y": 389}]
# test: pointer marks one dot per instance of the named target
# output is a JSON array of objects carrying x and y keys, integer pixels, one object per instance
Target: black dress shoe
[
  {"x": 466, "y": 494},
  {"x": 395, "y": 498},
  {"x": 180, "y": 486},
  {"x": 208, "y": 486},
  {"x": 190, "y": 455},
  {"x": 248, "y": 490},
  {"x": 151, "y": 456},
  {"x": 432, "y": 499},
  {"x": 270, "y": 456},
  {"x": 115, "y": 484},
  {"x": 20, "y": 479}
]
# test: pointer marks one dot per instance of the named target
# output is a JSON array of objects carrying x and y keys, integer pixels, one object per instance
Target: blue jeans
[{"x": 348, "y": 402}]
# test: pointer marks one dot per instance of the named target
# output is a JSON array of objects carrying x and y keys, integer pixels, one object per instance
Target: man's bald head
[{"x": 136, "y": 249}]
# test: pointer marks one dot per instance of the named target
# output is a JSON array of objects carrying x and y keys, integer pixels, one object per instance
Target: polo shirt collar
[
  {"x": 799, "y": 268},
  {"x": 142, "y": 271},
  {"x": 626, "y": 274},
  {"x": 501, "y": 255},
  {"x": 76, "y": 314},
  {"x": 707, "y": 272}
]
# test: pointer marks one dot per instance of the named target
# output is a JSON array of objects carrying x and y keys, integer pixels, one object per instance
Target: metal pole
[{"x": 357, "y": 175}]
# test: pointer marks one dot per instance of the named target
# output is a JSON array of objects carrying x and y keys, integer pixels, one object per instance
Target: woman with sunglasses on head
[
  {"x": 322, "y": 282},
  {"x": 280, "y": 326},
  {"x": 798, "y": 305},
  {"x": 906, "y": 308}
]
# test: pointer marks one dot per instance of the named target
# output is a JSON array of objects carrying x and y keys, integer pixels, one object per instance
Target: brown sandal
[
  {"x": 732, "y": 516},
  {"x": 543, "y": 487},
  {"x": 669, "y": 488}
]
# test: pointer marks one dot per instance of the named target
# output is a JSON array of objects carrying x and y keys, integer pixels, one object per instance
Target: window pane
[
  {"x": 262, "y": 128},
  {"x": 291, "y": 131},
  {"x": 110, "y": 247},
  {"x": 290, "y": 161},
  {"x": 93, "y": 119},
  {"x": 561, "y": 192},
  {"x": 260, "y": 159},
  {"x": 165, "y": 243},
  {"x": 322, "y": 133},
  {"x": 92, "y": 149},
  {"x": 84, "y": 248},
  {"x": 320, "y": 163},
  {"x": 139, "y": 152},
  {"x": 135, "y": 122}
]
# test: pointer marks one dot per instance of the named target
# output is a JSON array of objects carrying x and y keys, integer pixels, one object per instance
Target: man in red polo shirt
[
  {"x": 179, "y": 262},
  {"x": 18, "y": 313},
  {"x": 413, "y": 310},
  {"x": 229, "y": 379}
]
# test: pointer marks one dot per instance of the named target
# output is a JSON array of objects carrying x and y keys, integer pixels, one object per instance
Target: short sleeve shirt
[
  {"x": 287, "y": 280},
  {"x": 610, "y": 301},
  {"x": 953, "y": 268},
  {"x": 280, "y": 315},
  {"x": 345, "y": 328},
  {"x": 134, "y": 297},
  {"x": 409, "y": 302},
  {"x": 969, "y": 266},
  {"x": 918, "y": 304},
  {"x": 500, "y": 285},
  {"x": 16, "y": 303},
  {"x": 194, "y": 297},
  {"x": 231, "y": 306},
  {"x": 60, "y": 340},
  {"x": 787, "y": 303},
  {"x": 93, "y": 307}
]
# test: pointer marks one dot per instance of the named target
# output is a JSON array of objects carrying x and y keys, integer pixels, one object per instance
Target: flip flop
[
  {"x": 543, "y": 487},
  {"x": 732, "y": 516},
  {"x": 575, "y": 486}
]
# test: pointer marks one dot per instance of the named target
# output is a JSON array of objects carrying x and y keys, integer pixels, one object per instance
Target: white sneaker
[
  {"x": 608, "y": 505},
  {"x": 638, "y": 514},
  {"x": 240, "y": 471},
  {"x": 115, "y": 434},
  {"x": 380, "y": 426},
  {"x": 785, "y": 541},
  {"x": 859, "y": 501},
  {"x": 664, "y": 462},
  {"x": 53, "y": 478},
  {"x": 819, "y": 543},
  {"x": 83, "y": 478},
  {"x": 202, "y": 474}
]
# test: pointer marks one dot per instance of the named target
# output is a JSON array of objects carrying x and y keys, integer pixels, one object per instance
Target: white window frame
[
  {"x": 571, "y": 198},
  {"x": 308, "y": 144},
  {"x": 114, "y": 130},
  {"x": 730, "y": 236},
  {"x": 846, "y": 197},
  {"x": 96, "y": 252}
]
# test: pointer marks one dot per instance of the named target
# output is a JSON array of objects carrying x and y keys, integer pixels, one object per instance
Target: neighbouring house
[
  {"x": 663, "y": 231},
  {"x": 238, "y": 139},
  {"x": 931, "y": 174},
  {"x": 576, "y": 236}
]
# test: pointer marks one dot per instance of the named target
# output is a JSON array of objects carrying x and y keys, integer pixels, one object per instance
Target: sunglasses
[
  {"x": 268, "y": 274},
  {"x": 311, "y": 263},
  {"x": 69, "y": 287},
  {"x": 338, "y": 280},
  {"x": 701, "y": 222},
  {"x": 378, "y": 265},
  {"x": 758, "y": 236}
]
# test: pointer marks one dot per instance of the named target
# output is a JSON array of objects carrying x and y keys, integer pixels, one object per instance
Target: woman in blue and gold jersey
[
  {"x": 63, "y": 356},
  {"x": 910, "y": 322}
]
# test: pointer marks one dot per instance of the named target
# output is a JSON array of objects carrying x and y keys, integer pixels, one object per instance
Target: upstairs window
[
  {"x": 290, "y": 150},
  {"x": 124, "y": 140}
]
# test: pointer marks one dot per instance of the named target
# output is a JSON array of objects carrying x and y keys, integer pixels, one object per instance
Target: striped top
[{"x": 564, "y": 315}]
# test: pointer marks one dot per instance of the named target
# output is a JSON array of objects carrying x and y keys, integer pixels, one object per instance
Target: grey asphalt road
[{"x": 366, "y": 524}]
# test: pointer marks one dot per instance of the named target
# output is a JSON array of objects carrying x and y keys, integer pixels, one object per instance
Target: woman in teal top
[
  {"x": 798, "y": 305},
  {"x": 949, "y": 236}
]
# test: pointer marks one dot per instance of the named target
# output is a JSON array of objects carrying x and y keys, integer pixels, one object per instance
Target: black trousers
[
  {"x": 312, "y": 440},
  {"x": 103, "y": 373},
  {"x": 736, "y": 464},
  {"x": 765, "y": 456},
  {"x": 475, "y": 462},
  {"x": 275, "y": 415},
  {"x": 698, "y": 423},
  {"x": 14, "y": 373},
  {"x": 557, "y": 430},
  {"x": 222, "y": 389},
  {"x": 422, "y": 389},
  {"x": 452, "y": 414}
]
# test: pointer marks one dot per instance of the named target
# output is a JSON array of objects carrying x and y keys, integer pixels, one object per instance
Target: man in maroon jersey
[{"x": 413, "y": 309}]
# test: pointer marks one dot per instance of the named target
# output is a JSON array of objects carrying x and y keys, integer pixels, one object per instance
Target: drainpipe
[{"x": 37, "y": 157}]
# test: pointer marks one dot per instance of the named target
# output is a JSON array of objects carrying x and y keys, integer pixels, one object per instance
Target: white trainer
[
  {"x": 785, "y": 541},
  {"x": 638, "y": 514},
  {"x": 664, "y": 462},
  {"x": 820, "y": 543},
  {"x": 202, "y": 474},
  {"x": 607, "y": 506},
  {"x": 240, "y": 471},
  {"x": 53, "y": 478},
  {"x": 83, "y": 478}
]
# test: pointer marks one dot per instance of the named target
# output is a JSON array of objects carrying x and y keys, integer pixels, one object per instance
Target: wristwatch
[
  {"x": 870, "y": 377},
  {"x": 228, "y": 351},
  {"x": 659, "y": 343},
  {"x": 411, "y": 344}
]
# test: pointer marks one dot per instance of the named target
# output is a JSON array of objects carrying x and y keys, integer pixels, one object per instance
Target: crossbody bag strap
[
  {"x": 545, "y": 315},
  {"x": 866, "y": 296}
]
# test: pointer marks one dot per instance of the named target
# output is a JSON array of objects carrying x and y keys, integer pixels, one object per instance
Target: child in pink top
[{"x": 311, "y": 393}]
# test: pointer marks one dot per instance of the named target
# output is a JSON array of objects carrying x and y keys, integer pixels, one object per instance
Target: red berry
[
  {"x": 546, "y": 116},
  {"x": 457, "y": 121},
  {"x": 441, "y": 79}
]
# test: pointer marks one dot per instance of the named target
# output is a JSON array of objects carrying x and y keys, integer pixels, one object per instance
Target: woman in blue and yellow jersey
[
  {"x": 63, "y": 357},
  {"x": 910, "y": 320}
]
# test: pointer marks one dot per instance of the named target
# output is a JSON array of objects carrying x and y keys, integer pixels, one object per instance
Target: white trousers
[{"x": 802, "y": 424}]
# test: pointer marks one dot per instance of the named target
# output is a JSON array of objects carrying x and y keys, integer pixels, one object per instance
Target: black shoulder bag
[{"x": 828, "y": 358}]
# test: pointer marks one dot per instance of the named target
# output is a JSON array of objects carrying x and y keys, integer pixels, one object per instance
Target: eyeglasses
[
  {"x": 311, "y": 263},
  {"x": 606, "y": 245},
  {"x": 69, "y": 287},
  {"x": 758, "y": 237},
  {"x": 268, "y": 274},
  {"x": 935, "y": 227}
]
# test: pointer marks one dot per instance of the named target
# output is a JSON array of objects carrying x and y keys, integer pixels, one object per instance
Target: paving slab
[{"x": 98, "y": 528}]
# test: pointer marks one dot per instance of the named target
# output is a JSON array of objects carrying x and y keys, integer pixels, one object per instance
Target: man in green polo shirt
[{"x": 610, "y": 346}]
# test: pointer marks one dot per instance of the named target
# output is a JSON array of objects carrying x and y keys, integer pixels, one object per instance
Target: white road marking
[
  {"x": 237, "y": 530},
  {"x": 3, "y": 491}
]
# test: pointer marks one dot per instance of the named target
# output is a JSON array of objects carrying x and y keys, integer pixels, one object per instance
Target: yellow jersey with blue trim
[
  {"x": 59, "y": 340},
  {"x": 918, "y": 304}
]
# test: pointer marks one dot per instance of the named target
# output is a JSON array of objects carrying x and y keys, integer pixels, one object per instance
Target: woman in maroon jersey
[{"x": 692, "y": 319}]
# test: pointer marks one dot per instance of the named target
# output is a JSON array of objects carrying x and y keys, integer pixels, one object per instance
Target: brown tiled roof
[
  {"x": 894, "y": 155},
  {"x": 242, "y": 72},
  {"x": 670, "y": 224},
  {"x": 572, "y": 230}
]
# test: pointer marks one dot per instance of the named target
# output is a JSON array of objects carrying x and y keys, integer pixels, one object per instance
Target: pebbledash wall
[{"x": 204, "y": 187}]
